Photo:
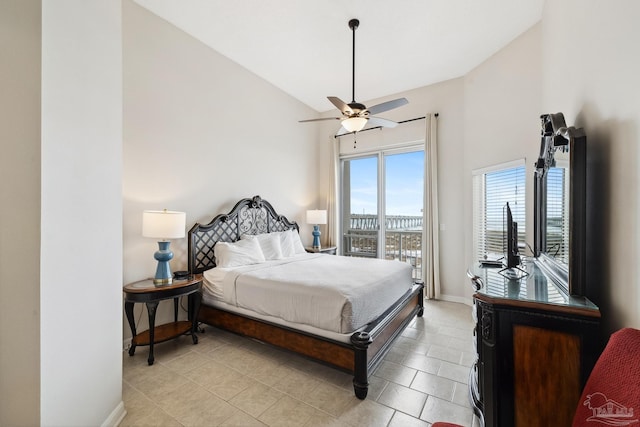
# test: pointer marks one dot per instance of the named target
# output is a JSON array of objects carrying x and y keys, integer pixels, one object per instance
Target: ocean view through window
[{"x": 382, "y": 199}]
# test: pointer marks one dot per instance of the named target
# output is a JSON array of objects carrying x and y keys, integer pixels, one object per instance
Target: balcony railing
[
  {"x": 392, "y": 222},
  {"x": 403, "y": 239}
]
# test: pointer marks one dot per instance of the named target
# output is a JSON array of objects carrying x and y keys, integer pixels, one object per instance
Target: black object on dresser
[{"x": 535, "y": 348}]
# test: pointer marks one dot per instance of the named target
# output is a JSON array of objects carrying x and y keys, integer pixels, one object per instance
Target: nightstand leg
[
  {"x": 128, "y": 309},
  {"x": 151, "y": 309},
  {"x": 194, "y": 307}
]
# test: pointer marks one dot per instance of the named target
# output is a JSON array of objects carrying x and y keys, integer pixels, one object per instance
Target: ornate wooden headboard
[{"x": 248, "y": 216}]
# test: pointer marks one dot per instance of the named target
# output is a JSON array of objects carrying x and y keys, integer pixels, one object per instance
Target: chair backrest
[{"x": 612, "y": 393}]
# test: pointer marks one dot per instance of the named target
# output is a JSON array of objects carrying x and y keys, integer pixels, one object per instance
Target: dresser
[{"x": 535, "y": 347}]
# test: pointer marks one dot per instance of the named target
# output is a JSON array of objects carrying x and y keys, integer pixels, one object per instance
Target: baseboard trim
[
  {"x": 460, "y": 300},
  {"x": 115, "y": 418}
]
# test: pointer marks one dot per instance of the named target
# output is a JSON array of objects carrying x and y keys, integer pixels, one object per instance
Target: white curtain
[
  {"x": 333, "y": 204},
  {"x": 430, "y": 232}
]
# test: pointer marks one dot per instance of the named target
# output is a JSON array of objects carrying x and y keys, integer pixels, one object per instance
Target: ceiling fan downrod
[{"x": 353, "y": 24}]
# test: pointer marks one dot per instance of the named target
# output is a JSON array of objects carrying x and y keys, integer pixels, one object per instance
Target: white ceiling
[{"x": 304, "y": 46}]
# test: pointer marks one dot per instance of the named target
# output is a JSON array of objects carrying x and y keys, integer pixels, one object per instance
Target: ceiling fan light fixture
[{"x": 354, "y": 124}]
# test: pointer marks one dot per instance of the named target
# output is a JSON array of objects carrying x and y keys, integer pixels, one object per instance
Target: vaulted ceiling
[{"x": 305, "y": 47}]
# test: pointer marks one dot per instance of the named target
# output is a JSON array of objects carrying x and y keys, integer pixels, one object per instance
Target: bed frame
[{"x": 367, "y": 348}]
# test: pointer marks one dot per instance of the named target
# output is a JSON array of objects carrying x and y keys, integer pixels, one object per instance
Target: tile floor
[{"x": 227, "y": 380}]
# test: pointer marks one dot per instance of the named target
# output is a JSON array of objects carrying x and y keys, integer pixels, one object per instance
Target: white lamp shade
[
  {"x": 354, "y": 124},
  {"x": 163, "y": 224},
  {"x": 317, "y": 217}
]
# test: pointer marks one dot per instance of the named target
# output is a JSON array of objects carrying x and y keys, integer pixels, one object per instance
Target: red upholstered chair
[{"x": 612, "y": 393}]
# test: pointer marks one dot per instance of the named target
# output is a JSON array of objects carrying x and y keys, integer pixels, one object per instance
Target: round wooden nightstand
[{"x": 144, "y": 291}]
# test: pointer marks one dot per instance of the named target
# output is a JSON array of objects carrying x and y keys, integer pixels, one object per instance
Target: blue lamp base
[
  {"x": 316, "y": 237},
  {"x": 163, "y": 271}
]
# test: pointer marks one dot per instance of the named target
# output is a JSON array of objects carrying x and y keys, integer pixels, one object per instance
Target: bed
[{"x": 352, "y": 335}]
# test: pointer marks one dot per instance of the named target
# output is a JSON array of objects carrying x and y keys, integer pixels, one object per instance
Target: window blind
[
  {"x": 557, "y": 214},
  {"x": 491, "y": 192}
]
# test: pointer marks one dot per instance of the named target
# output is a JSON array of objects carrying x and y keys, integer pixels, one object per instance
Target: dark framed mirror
[{"x": 560, "y": 204}]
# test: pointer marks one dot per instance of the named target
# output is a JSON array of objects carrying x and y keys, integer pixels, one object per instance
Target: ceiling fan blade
[
  {"x": 317, "y": 120},
  {"x": 386, "y": 106},
  {"x": 340, "y": 105},
  {"x": 342, "y": 131},
  {"x": 378, "y": 121}
]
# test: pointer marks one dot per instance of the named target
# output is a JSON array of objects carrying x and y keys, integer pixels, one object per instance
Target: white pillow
[
  {"x": 286, "y": 243},
  {"x": 269, "y": 243},
  {"x": 298, "y": 247},
  {"x": 236, "y": 254}
]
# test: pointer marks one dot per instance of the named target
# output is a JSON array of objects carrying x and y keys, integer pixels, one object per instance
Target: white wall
[
  {"x": 201, "y": 132},
  {"x": 502, "y": 99},
  {"x": 20, "y": 213},
  {"x": 590, "y": 73},
  {"x": 81, "y": 219}
]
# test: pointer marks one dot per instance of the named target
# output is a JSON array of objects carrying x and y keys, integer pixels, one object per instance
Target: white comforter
[{"x": 333, "y": 293}]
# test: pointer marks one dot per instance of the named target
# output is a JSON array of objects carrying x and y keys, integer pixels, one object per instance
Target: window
[
  {"x": 492, "y": 189},
  {"x": 382, "y": 200}
]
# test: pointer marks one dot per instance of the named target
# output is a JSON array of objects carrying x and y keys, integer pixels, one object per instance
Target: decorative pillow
[
  {"x": 298, "y": 247},
  {"x": 269, "y": 243},
  {"x": 236, "y": 254}
]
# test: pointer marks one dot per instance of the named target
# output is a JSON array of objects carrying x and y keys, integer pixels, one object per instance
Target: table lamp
[
  {"x": 163, "y": 225},
  {"x": 316, "y": 217}
]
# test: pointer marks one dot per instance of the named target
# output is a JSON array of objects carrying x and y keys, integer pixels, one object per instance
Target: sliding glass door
[
  {"x": 382, "y": 200},
  {"x": 360, "y": 207},
  {"x": 403, "y": 208}
]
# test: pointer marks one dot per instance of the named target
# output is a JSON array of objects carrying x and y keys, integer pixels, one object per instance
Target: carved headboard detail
[{"x": 249, "y": 216}]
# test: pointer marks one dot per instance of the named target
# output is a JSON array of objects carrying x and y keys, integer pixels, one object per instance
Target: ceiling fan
[{"x": 355, "y": 116}]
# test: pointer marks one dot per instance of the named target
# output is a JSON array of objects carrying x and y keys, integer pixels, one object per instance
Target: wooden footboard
[
  {"x": 361, "y": 357},
  {"x": 372, "y": 344}
]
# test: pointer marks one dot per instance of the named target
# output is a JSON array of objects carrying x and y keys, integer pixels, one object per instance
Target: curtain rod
[{"x": 380, "y": 127}]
